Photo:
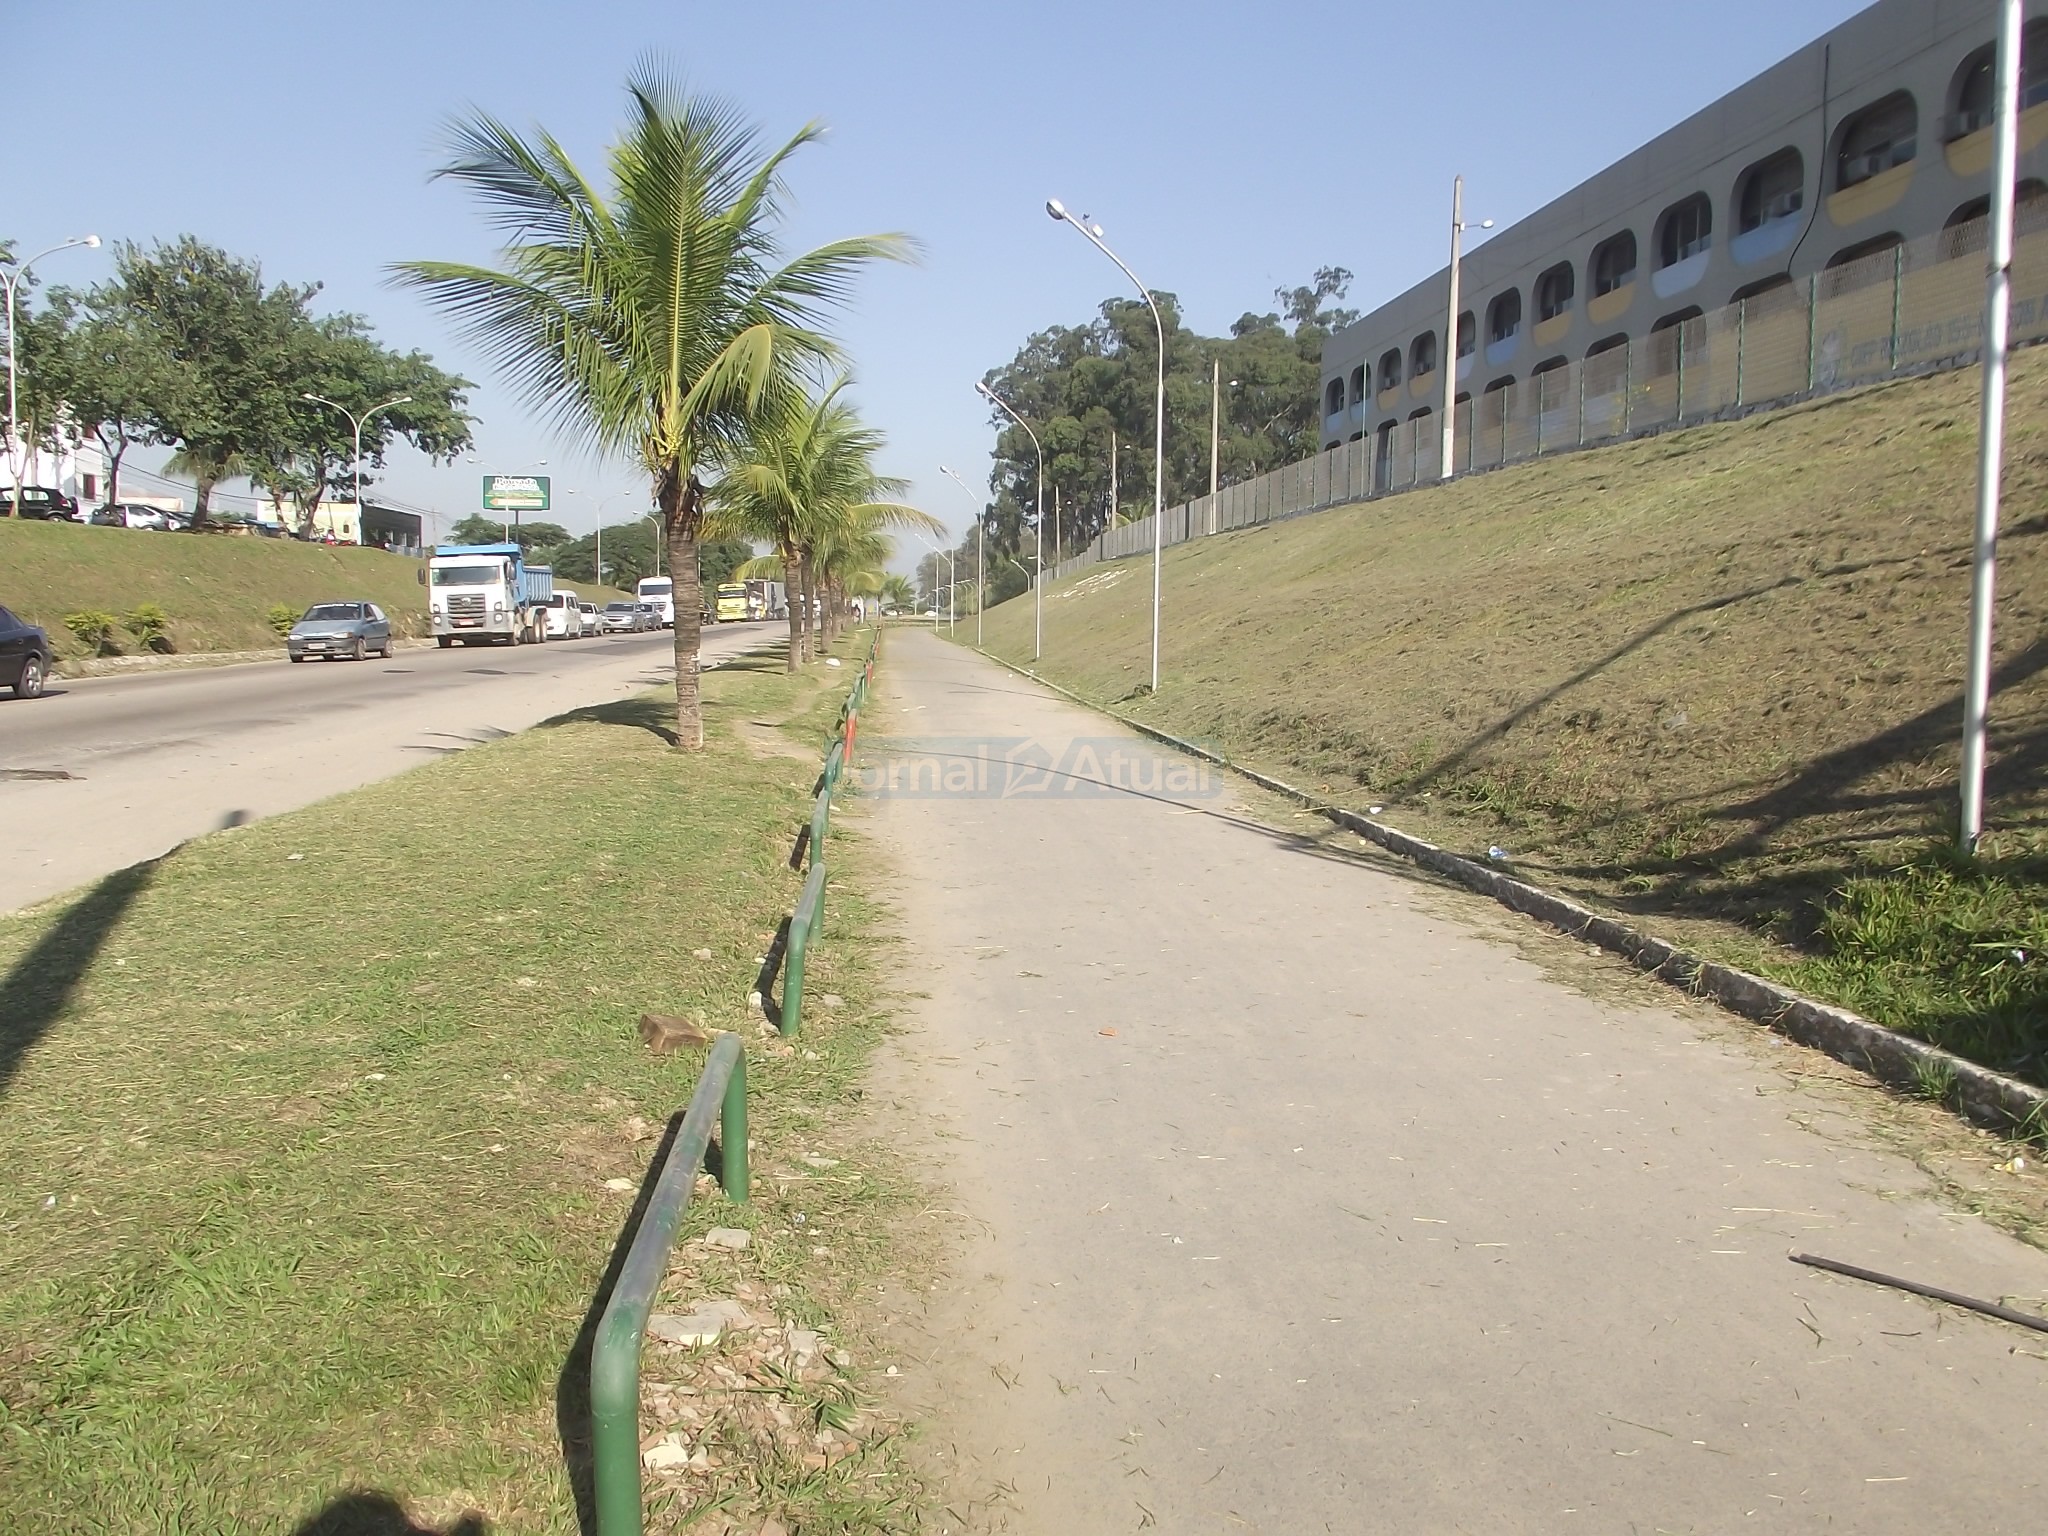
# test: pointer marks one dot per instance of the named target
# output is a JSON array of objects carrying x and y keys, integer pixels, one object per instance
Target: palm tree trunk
[
  {"x": 792, "y": 564},
  {"x": 806, "y": 577},
  {"x": 681, "y": 503}
]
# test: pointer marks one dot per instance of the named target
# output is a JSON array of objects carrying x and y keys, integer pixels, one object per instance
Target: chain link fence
[{"x": 1909, "y": 308}]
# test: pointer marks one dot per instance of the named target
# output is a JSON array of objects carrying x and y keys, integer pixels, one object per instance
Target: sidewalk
[{"x": 1309, "y": 1207}]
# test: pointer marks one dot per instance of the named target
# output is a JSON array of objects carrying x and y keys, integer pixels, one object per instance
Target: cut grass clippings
[
  {"x": 308, "y": 1128},
  {"x": 1710, "y": 680}
]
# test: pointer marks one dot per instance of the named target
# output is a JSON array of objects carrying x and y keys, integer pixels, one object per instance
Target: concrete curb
[{"x": 1988, "y": 1098}]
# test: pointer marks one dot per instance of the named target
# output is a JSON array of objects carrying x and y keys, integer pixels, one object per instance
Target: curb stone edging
[{"x": 1985, "y": 1097}]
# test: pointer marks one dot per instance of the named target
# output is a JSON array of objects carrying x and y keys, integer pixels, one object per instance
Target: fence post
[
  {"x": 1812, "y": 331},
  {"x": 1678, "y": 412},
  {"x": 1898, "y": 286},
  {"x": 1628, "y": 386},
  {"x": 1741, "y": 327},
  {"x": 1582, "y": 403}
]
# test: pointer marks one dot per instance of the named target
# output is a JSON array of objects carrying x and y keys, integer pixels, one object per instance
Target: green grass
[
  {"x": 307, "y": 1127},
  {"x": 216, "y": 588},
  {"x": 1710, "y": 679}
]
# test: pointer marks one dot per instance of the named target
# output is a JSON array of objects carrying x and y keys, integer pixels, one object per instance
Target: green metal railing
[
  {"x": 804, "y": 925},
  {"x": 615, "y": 1357}
]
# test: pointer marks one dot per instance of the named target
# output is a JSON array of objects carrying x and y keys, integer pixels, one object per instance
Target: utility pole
[
  {"x": 1991, "y": 424},
  {"x": 1215, "y": 414},
  {"x": 1113, "y": 513}
]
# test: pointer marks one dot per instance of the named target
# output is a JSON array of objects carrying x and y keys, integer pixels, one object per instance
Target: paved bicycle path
[{"x": 1306, "y": 1206}]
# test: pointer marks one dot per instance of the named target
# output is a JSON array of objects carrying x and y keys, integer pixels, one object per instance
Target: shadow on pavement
[
  {"x": 365, "y": 1512},
  {"x": 34, "y": 994}
]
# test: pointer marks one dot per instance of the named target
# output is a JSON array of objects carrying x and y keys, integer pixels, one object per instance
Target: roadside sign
[{"x": 516, "y": 493}]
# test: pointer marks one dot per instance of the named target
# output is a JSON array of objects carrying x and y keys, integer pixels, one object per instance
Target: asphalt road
[
  {"x": 1303, "y": 1200},
  {"x": 103, "y": 772}
]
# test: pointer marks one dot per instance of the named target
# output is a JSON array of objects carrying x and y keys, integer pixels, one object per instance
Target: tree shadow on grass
[
  {"x": 35, "y": 992},
  {"x": 366, "y": 1512},
  {"x": 650, "y": 715}
]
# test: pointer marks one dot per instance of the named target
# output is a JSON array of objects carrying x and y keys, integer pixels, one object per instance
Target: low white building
[{"x": 77, "y": 469}]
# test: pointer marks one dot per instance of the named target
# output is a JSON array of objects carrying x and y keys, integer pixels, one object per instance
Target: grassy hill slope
[
  {"x": 215, "y": 588},
  {"x": 1712, "y": 678}
]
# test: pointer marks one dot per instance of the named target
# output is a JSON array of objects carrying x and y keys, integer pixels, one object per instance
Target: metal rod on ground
[
  {"x": 1991, "y": 425},
  {"x": 1931, "y": 1292}
]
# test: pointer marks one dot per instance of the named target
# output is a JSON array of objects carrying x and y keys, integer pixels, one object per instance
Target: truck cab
[
  {"x": 659, "y": 592},
  {"x": 486, "y": 594}
]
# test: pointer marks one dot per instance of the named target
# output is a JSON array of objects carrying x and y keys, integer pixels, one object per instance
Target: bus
[
  {"x": 732, "y": 602},
  {"x": 661, "y": 592}
]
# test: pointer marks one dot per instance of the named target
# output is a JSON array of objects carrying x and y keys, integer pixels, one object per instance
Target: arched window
[
  {"x": 1607, "y": 344},
  {"x": 1774, "y": 188},
  {"x": 1504, "y": 317},
  {"x": 1975, "y": 89},
  {"x": 1669, "y": 340},
  {"x": 1550, "y": 365},
  {"x": 1614, "y": 263},
  {"x": 1467, "y": 335},
  {"x": 2028, "y": 191},
  {"x": 1333, "y": 397},
  {"x": 1358, "y": 384},
  {"x": 1422, "y": 355},
  {"x": 1505, "y": 381},
  {"x": 1554, "y": 290},
  {"x": 1390, "y": 368},
  {"x": 1876, "y": 139},
  {"x": 1684, "y": 229}
]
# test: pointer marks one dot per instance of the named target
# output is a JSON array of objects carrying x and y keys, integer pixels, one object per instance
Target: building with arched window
[{"x": 1873, "y": 135}]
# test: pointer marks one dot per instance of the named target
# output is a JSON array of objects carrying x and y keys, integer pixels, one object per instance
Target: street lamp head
[
  {"x": 981, "y": 388},
  {"x": 1486, "y": 223},
  {"x": 91, "y": 242},
  {"x": 1055, "y": 209}
]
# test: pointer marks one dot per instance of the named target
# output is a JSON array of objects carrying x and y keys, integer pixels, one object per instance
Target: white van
[{"x": 564, "y": 618}]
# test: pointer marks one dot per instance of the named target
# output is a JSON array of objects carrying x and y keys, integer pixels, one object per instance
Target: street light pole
[
  {"x": 1038, "y": 581},
  {"x": 1448, "y": 358},
  {"x": 981, "y": 592},
  {"x": 12, "y": 282},
  {"x": 357, "y": 422},
  {"x": 1991, "y": 424},
  {"x": 1215, "y": 415},
  {"x": 1093, "y": 234}
]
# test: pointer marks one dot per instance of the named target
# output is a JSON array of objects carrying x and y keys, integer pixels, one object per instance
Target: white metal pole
[
  {"x": 1215, "y": 415},
  {"x": 1991, "y": 426},
  {"x": 12, "y": 280},
  {"x": 1112, "y": 478},
  {"x": 980, "y": 577},
  {"x": 1094, "y": 237},
  {"x": 1038, "y": 583},
  {"x": 1448, "y": 360}
]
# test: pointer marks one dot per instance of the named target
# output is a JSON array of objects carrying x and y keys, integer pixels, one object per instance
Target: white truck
[
  {"x": 660, "y": 593},
  {"x": 486, "y": 594}
]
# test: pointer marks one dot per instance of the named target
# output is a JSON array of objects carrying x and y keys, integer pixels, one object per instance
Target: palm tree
[
  {"x": 652, "y": 318},
  {"x": 802, "y": 477}
]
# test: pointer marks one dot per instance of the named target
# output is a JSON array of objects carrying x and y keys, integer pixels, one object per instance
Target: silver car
[{"x": 331, "y": 631}]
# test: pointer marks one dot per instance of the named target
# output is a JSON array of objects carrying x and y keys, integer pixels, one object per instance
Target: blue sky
[{"x": 1227, "y": 149}]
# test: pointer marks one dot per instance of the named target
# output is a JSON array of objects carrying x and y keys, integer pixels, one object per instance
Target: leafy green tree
[
  {"x": 1089, "y": 389},
  {"x": 234, "y": 342},
  {"x": 337, "y": 358},
  {"x": 718, "y": 559},
  {"x": 650, "y": 316}
]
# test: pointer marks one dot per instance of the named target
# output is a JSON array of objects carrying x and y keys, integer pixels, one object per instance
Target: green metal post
[
  {"x": 821, "y": 820},
  {"x": 733, "y": 1171},
  {"x": 615, "y": 1353},
  {"x": 807, "y": 920}
]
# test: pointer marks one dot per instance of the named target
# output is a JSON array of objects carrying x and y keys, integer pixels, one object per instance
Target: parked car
[
  {"x": 24, "y": 656},
  {"x": 40, "y": 501},
  {"x": 132, "y": 514},
  {"x": 335, "y": 630},
  {"x": 588, "y": 612},
  {"x": 650, "y": 616},
  {"x": 621, "y": 619}
]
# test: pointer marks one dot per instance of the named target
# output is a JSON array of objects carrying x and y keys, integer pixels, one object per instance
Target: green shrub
[
  {"x": 151, "y": 627},
  {"x": 282, "y": 617},
  {"x": 93, "y": 629}
]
